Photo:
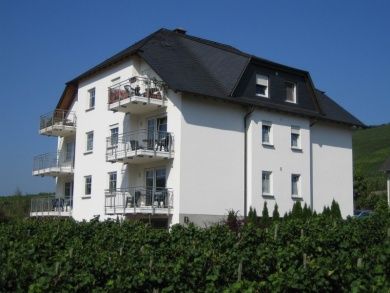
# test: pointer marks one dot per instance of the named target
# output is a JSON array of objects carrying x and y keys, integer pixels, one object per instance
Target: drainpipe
[
  {"x": 312, "y": 123},
  {"x": 250, "y": 111}
]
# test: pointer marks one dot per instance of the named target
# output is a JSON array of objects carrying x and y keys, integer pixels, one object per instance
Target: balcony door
[
  {"x": 68, "y": 192},
  {"x": 155, "y": 183},
  {"x": 69, "y": 154},
  {"x": 157, "y": 128}
]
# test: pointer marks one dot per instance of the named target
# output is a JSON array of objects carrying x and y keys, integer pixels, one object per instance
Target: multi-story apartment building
[{"x": 180, "y": 129}]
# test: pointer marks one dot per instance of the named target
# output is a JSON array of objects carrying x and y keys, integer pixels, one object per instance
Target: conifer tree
[
  {"x": 252, "y": 216},
  {"x": 297, "y": 210},
  {"x": 275, "y": 214},
  {"x": 335, "y": 210}
]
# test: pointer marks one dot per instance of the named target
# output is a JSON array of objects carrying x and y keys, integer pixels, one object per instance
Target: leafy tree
[
  {"x": 359, "y": 185},
  {"x": 3, "y": 217},
  {"x": 18, "y": 192},
  {"x": 382, "y": 206},
  {"x": 275, "y": 214}
]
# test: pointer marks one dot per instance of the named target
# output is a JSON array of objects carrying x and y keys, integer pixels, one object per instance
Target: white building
[{"x": 180, "y": 129}]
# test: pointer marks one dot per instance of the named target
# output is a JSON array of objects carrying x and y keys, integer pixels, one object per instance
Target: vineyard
[{"x": 300, "y": 252}]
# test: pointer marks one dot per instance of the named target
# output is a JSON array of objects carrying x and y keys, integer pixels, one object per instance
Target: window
[
  {"x": 88, "y": 185},
  {"x": 291, "y": 92},
  {"x": 295, "y": 185},
  {"x": 295, "y": 137},
  {"x": 112, "y": 181},
  {"x": 89, "y": 141},
  {"x": 114, "y": 136},
  {"x": 266, "y": 182},
  {"x": 91, "y": 104},
  {"x": 266, "y": 133},
  {"x": 261, "y": 85}
]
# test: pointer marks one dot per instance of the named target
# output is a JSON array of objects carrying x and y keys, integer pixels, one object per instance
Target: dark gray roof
[
  {"x": 334, "y": 112},
  {"x": 386, "y": 166},
  {"x": 202, "y": 67}
]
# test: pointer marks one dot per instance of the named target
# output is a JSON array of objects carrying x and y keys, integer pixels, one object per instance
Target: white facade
[{"x": 204, "y": 170}]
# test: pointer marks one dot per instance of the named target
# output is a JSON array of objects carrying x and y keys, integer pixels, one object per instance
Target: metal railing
[
  {"x": 149, "y": 88},
  {"x": 122, "y": 200},
  {"x": 51, "y": 205},
  {"x": 138, "y": 141},
  {"x": 57, "y": 160},
  {"x": 58, "y": 117}
]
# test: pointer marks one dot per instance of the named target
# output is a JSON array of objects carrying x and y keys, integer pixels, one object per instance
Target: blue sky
[{"x": 344, "y": 44}]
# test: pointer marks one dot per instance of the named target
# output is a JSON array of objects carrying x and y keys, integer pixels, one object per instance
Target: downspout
[
  {"x": 250, "y": 111},
  {"x": 311, "y": 169}
]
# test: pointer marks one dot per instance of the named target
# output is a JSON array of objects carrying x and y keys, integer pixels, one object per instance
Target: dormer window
[
  {"x": 291, "y": 92},
  {"x": 262, "y": 85}
]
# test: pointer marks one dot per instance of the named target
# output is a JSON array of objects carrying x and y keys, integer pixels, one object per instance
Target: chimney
[{"x": 180, "y": 31}]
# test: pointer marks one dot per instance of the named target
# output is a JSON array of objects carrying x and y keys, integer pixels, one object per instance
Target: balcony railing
[
  {"x": 51, "y": 206},
  {"x": 139, "y": 200},
  {"x": 53, "y": 164},
  {"x": 130, "y": 94},
  {"x": 139, "y": 145},
  {"x": 58, "y": 123}
]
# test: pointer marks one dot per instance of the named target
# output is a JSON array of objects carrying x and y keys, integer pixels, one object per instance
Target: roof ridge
[
  {"x": 214, "y": 44},
  {"x": 234, "y": 50}
]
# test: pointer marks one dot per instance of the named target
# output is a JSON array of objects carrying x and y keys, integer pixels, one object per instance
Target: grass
[{"x": 371, "y": 148}]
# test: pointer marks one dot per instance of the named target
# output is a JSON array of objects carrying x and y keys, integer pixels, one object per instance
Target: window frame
[
  {"x": 88, "y": 185},
  {"x": 295, "y": 130},
  {"x": 266, "y": 84},
  {"x": 110, "y": 181},
  {"x": 270, "y": 183},
  {"x": 299, "y": 191},
  {"x": 92, "y": 97},
  {"x": 114, "y": 138},
  {"x": 69, "y": 151},
  {"x": 87, "y": 140},
  {"x": 270, "y": 135},
  {"x": 294, "y": 92}
]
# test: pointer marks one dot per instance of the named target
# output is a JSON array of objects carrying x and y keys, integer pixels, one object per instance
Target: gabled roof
[
  {"x": 386, "y": 166},
  {"x": 202, "y": 67}
]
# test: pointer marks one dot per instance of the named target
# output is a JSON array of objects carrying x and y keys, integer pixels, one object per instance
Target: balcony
[
  {"x": 51, "y": 207},
  {"x": 53, "y": 164},
  {"x": 138, "y": 147},
  {"x": 139, "y": 200},
  {"x": 137, "y": 95},
  {"x": 58, "y": 123}
]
